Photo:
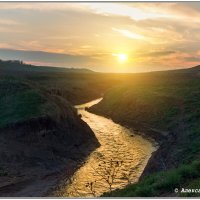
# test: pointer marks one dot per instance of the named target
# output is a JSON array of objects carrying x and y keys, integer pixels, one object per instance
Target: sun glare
[{"x": 122, "y": 57}]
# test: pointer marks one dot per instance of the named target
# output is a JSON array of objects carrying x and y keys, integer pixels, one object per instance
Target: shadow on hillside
[{"x": 38, "y": 154}]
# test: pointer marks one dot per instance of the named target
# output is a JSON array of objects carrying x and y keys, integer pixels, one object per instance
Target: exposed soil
[{"x": 35, "y": 154}]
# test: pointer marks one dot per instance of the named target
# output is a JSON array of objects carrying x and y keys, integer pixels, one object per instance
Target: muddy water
[{"x": 119, "y": 160}]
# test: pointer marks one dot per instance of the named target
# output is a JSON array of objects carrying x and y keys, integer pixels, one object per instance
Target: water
[{"x": 119, "y": 160}]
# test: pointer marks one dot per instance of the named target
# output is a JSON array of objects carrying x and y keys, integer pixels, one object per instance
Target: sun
[{"x": 122, "y": 57}]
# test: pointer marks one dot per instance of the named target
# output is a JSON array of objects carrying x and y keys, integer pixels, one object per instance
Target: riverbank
[
  {"x": 166, "y": 110},
  {"x": 116, "y": 155},
  {"x": 41, "y": 136},
  {"x": 161, "y": 139}
]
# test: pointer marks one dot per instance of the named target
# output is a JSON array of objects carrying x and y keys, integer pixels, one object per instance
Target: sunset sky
[{"x": 146, "y": 36}]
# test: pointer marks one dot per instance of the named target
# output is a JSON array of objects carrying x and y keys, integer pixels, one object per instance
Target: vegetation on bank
[
  {"x": 170, "y": 104},
  {"x": 76, "y": 85},
  {"x": 22, "y": 100},
  {"x": 40, "y": 133},
  {"x": 164, "y": 183},
  {"x": 19, "y": 102},
  {"x": 167, "y": 103}
]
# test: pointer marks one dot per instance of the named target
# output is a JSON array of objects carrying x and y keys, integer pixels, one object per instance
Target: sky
[{"x": 151, "y": 36}]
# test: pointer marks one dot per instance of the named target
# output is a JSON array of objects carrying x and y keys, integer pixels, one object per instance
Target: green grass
[
  {"x": 78, "y": 88},
  {"x": 163, "y": 183},
  {"x": 167, "y": 103},
  {"x": 19, "y": 101},
  {"x": 195, "y": 184},
  {"x": 157, "y": 106},
  {"x": 3, "y": 172}
]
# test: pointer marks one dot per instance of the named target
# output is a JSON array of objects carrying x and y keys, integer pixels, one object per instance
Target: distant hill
[
  {"x": 194, "y": 69},
  {"x": 20, "y": 66}
]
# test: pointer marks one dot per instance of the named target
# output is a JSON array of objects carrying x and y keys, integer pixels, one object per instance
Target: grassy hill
[
  {"x": 40, "y": 134},
  {"x": 76, "y": 85},
  {"x": 35, "y": 112},
  {"x": 19, "y": 102},
  {"x": 14, "y": 66},
  {"x": 163, "y": 184},
  {"x": 165, "y": 106}
]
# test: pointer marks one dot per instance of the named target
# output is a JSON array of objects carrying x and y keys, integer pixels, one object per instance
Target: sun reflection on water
[{"x": 122, "y": 155}]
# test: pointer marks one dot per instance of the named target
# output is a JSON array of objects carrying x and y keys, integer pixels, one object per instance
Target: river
[{"x": 119, "y": 160}]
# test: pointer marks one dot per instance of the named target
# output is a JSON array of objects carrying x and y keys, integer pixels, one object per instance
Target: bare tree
[{"x": 108, "y": 171}]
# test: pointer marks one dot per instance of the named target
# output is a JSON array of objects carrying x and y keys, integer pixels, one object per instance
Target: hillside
[
  {"x": 194, "y": 69},
  {"x": 77, "y": 87},
  {"x": 18, "y": 66},
  {"x": 162, "y": 105},
  {"x": 163, "y": 184},
  {"x": 35, "y": 108},
  {"x": 41, "y": 134}
]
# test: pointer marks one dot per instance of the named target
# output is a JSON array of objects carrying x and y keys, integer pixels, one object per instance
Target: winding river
[{"x": 119, "y": 160}]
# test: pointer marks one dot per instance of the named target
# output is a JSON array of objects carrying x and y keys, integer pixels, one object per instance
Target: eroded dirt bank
[
  {"x": 121, "y": 151},
  {"x": 35, "y": 153},
  {"x": 164, "y": 140}
]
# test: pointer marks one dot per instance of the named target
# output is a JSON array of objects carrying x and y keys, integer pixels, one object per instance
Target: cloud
[
  {"x": 8, "y": 25},
  {"x": 8, "y": 22},
  {"x": 89, "y": 33},
  {"x": 134, "y": 11},
  {"x": 193, "y": 59},
  {"x": 129, "y": 34},
  {"x": 157, "y": 53},
  {"x": 5, "y": 46},
  {"x": 44, "y": 6},
  {"x": 171, "y": 10},
  {"x": 41, "y": 56},
  {"x": 66, "y": 31}
]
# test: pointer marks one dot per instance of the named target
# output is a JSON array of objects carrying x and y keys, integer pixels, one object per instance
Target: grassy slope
[
  {"x": 165, "y": 101},
  {"x": 20, "y": 101},
  {"x": 77, "y": 86},
  {"x": 31, "y": 120},
  {"x": 168, "y": 102},
  {"x": 164, "y": 183}
]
